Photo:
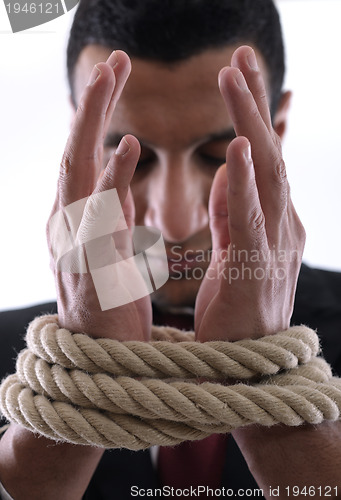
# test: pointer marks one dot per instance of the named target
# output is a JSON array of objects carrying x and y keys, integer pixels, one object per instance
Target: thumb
[
  {"x": 217, "y": 210},
  {"x": 118, "y": 175}
]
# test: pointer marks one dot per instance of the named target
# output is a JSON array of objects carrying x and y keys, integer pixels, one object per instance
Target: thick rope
[
  {"x": 73, "y": 388},
  {"x": 163, "y": 358}
]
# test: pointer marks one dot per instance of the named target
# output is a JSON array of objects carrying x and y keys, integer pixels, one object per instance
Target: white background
[{"x": 35, "y": 117}]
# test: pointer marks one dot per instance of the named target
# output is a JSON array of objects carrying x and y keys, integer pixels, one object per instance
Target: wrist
[{"x": 46, "y": 469}]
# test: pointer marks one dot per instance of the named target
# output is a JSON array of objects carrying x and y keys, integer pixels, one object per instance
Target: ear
[{"x": 281, "y": 116}]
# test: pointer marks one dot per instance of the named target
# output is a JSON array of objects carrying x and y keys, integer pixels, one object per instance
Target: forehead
[{"x": 162, "y": 101}]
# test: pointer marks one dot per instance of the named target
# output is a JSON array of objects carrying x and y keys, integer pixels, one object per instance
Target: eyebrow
[{"x": 113, "y": 140}]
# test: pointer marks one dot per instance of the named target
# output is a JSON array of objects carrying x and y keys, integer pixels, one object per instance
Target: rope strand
[{"x": 101, "y": 392}]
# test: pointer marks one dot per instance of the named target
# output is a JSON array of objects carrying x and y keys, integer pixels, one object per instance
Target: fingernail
[
  {"x": 95, "y": 74},
  {"x": 240, "y": 80},
  {"x": 247, "y": 154},
  {"x": 252, "y": 61},
  {"x": 122, "y": 148},
  {"x": 113, "y": 60}
]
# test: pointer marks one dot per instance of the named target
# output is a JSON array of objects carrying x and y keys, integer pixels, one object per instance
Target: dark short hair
[{"x": 173, "y": 30}]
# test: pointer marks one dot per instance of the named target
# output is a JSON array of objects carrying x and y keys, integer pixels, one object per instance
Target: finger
[
  {"x": 103, "y": 213},
  {"x": 110, "y": 208},
  {"x": 245, "y": 59},
  {"x": 120, "y": 62},
  {"x": 245, "y": 114},
  {"x": 217, "y": 210},
  {"x": 269, "y": 166},
  {"x": 121, "y": 167},
  {"x": 119, "y": 173},
  {"x": 81, "y": 162},
  {"x": 246, "y": 219}
]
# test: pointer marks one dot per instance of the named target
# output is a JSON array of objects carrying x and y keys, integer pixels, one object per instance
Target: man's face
[{"x": 178, "y": 115}]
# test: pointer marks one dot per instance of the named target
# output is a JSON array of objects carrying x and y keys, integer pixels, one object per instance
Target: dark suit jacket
[{"x": 317, "y": 304}]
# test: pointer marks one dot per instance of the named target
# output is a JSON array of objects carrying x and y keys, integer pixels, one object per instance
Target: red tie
[{"x": 193, "y": 463}]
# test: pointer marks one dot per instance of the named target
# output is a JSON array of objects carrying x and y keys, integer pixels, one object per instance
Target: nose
[{"x": 177, "y": 200}]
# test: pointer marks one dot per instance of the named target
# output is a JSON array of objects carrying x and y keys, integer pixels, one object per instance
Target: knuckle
[
  {"x": 277, "y": 141},
  {"x": 263, "y": 98},
  {"x": 257, "y": 221},
  {"x": 65, "y": 164},
  {"x": 280, "y": 171},
  {"x": 254, "y": 111},
  {"x": 82, "y": 106}
]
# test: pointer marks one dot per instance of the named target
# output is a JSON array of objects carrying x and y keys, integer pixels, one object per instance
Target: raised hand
[
  {"x": 81, "y": 177},
  {"x": 257, "y": 237}
]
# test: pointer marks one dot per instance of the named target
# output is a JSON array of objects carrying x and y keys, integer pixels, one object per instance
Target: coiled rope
[{"x": 102, "y": 392}]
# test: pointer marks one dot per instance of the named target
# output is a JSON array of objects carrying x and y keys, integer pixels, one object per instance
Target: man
[{"x": 172, "y": 104}]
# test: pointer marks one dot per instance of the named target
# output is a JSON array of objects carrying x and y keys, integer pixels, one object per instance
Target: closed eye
[
  {"x": 147, "y": 157},
  {"x": 212, "y": 160}
]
